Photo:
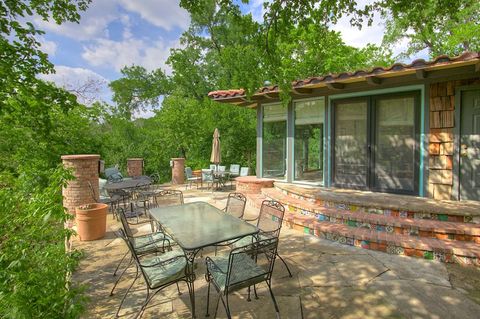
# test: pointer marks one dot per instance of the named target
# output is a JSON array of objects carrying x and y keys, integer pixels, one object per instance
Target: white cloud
[
  {"x": 257, "y": 10},
  {"x": 117, "y": 54},
  {"x": 165, "y": 14},
  {"x": 88, "y": 85},
  {"x": 49, "y": 47},
  {"x": 93, "y": 22}
]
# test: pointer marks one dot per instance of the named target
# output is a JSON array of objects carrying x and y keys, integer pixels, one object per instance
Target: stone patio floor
[{"x": 329, "y": 280}]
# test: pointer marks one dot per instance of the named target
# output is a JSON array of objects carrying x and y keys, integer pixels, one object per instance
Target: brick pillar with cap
[
  {"x": 85, "y": 169},
  {"x": 134, "y": 167},
  {"x": 178, "y": 170}
]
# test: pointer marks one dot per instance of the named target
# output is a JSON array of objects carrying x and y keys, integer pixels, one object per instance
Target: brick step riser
[
  {"x": 362, "y": 241},
  {"x": 386, "y": 247},
  {"x": 300, "y": 216},
  {"x": 397, "y": 213}
]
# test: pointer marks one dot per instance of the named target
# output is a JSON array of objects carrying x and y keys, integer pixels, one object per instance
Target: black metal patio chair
[
  {"x": 269, "y": 221},
  {"x": 111, "y": 200},
  {"x": 244, "y": 267},
  {"x": 236, "y": 203},
  {"x": 159, "y": 271},
  {"x": 156, "y": 242}
]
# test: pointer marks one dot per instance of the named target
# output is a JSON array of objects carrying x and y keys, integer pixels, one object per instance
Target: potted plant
[{"x": 91, "y": 221}]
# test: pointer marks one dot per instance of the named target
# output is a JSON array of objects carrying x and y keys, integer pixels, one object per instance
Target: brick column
[
  {"x": 85, "y": 169},
  {"x": 178, "y": 171},
  {"x": 134, "y": 167}
]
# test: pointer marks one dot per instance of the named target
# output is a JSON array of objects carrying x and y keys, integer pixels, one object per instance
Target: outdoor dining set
[
  {"x": 176, "y": 233},
  {"x": 215, "y": 177}
]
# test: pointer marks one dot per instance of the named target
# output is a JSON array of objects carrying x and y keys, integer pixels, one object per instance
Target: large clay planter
[{"x": 91, "y": 221}]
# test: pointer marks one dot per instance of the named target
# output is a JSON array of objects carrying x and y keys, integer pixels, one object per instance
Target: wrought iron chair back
[
  {"x": 262, "y": 252},
  {"x": 270, "y": 218},
  {"x": 168, "y": 198},
  {"x": 244, "y": 171},
  {"x": 174, "y": 266},
  {"x": 235, "y": 169},
  {"x": 247, "y": 266},
  {"x": 125, "y": 223},
  {"x": 93, "y": 194},
  {"x": 236, "y": 204}
]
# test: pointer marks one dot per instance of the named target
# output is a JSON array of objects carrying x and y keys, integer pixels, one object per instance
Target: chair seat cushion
[
  {"x": 152, "y": 243},
  {"x": 171, "y": 270},
  {"x": 245, "y": 272}
]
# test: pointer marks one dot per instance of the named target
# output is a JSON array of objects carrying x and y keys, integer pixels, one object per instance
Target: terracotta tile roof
[
  {"x": 393, "y": 70},
  {"x": 226, "y": 94},
  {"x": 397, "y": 67}
]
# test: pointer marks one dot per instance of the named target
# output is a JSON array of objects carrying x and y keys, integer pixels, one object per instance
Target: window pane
[
  {"x": 308, "y": 147},
  {"x": 274, "y": 141},
  {"x": 350, "y": 163},
  {"x": 395, "y": 144}
]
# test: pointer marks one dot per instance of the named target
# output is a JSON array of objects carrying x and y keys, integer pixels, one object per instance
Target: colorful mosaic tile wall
[
  {"x": 351, "y": 238},
  {"x": 381, "y": 211}
]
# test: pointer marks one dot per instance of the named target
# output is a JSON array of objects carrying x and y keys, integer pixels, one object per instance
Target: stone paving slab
[{"x": 329, "y": 280}]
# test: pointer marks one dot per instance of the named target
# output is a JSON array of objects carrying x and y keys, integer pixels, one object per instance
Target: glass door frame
[
  {"x": 371, "y": 145},
  {"x": 260, "y": 141},
  {"x": 323, "y": 146}
]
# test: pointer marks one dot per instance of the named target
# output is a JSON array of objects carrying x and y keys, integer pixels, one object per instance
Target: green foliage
[
  {"x": 138, "y": 89},
  {"x": 441, "y": 26},
  {"x": 35, "y": 278},
  {"x": 38, "y": 123},
  {"x": 20, "y": 56}
]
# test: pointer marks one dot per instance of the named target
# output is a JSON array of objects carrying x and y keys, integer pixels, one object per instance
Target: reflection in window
[
  {"x": 350, "y": 168},
  {"x": 308, "y": 147},
  {"x": 395, "y": 144},
  {"x": 274, "y": 141}
]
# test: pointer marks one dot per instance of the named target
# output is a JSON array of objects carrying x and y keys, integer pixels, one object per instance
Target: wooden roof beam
[
  {"x": 335, "y": 86},
  {"x": 302, "y": 91},
  {"x": 421, "y": 74},
  {"x": 373, "y": 80},
  {"x": 270, "y": 96}
]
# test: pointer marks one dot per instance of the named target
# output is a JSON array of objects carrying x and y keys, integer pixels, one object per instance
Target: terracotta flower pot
[{"x": 91, "y": 221}]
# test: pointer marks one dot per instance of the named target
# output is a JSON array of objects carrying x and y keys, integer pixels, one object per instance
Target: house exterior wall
[
  {"x": 441, "y": 148},
  {"x": 438, "y": 136}
]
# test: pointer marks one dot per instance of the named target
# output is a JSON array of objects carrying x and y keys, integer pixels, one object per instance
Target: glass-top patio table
[{"x": 198, "y": 225}]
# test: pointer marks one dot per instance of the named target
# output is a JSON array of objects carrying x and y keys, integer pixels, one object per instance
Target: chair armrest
[{"x": 163, "y": 240}]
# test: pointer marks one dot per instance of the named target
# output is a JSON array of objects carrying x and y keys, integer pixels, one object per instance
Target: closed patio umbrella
[{"x": 216, "y": 156}]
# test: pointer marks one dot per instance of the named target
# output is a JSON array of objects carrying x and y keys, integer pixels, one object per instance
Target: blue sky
[{"x": 115, "y": 33}]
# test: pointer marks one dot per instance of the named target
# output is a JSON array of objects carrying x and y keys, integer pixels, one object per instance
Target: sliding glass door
[
  {"x": 350, "y": 136},
  {"x": 274, "y": 143},
  {"x": 375, "y": 143},
  {"x": 395, "y": 144},
  {"x": 308, "y": 143}
]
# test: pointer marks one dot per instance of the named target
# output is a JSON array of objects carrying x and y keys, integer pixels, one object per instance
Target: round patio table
[{"x": 128, "y": 183}]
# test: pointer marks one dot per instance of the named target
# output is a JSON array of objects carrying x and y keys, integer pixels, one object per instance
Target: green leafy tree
[{"x": 38, "y": 123}]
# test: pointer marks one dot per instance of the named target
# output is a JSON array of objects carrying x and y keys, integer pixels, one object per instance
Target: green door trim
[{"x": 456, "y": 137}]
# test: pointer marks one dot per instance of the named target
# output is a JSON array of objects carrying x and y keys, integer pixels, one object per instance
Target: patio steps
[{"x": 430, "y": 239}]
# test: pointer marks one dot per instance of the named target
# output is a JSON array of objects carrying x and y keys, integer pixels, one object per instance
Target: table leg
[{"x": 191, "y": 277}]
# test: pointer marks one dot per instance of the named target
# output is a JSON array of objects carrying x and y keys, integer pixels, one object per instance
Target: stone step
[
  {"x": 394, "y": 205},
  {"x": 382, "y": 223},
  {"x": 446, "y": 250}
]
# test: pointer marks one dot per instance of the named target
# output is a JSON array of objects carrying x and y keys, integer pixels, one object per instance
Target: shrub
[{"x": 35, "y": 264}]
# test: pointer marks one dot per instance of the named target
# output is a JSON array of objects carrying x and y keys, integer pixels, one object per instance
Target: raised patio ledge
[
  {"x": 252, "y": 184},
  {"x": 384, "y": 200}
]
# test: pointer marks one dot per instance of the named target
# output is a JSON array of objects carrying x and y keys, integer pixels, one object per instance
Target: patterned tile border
[{"x": 380, "y": 211}]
